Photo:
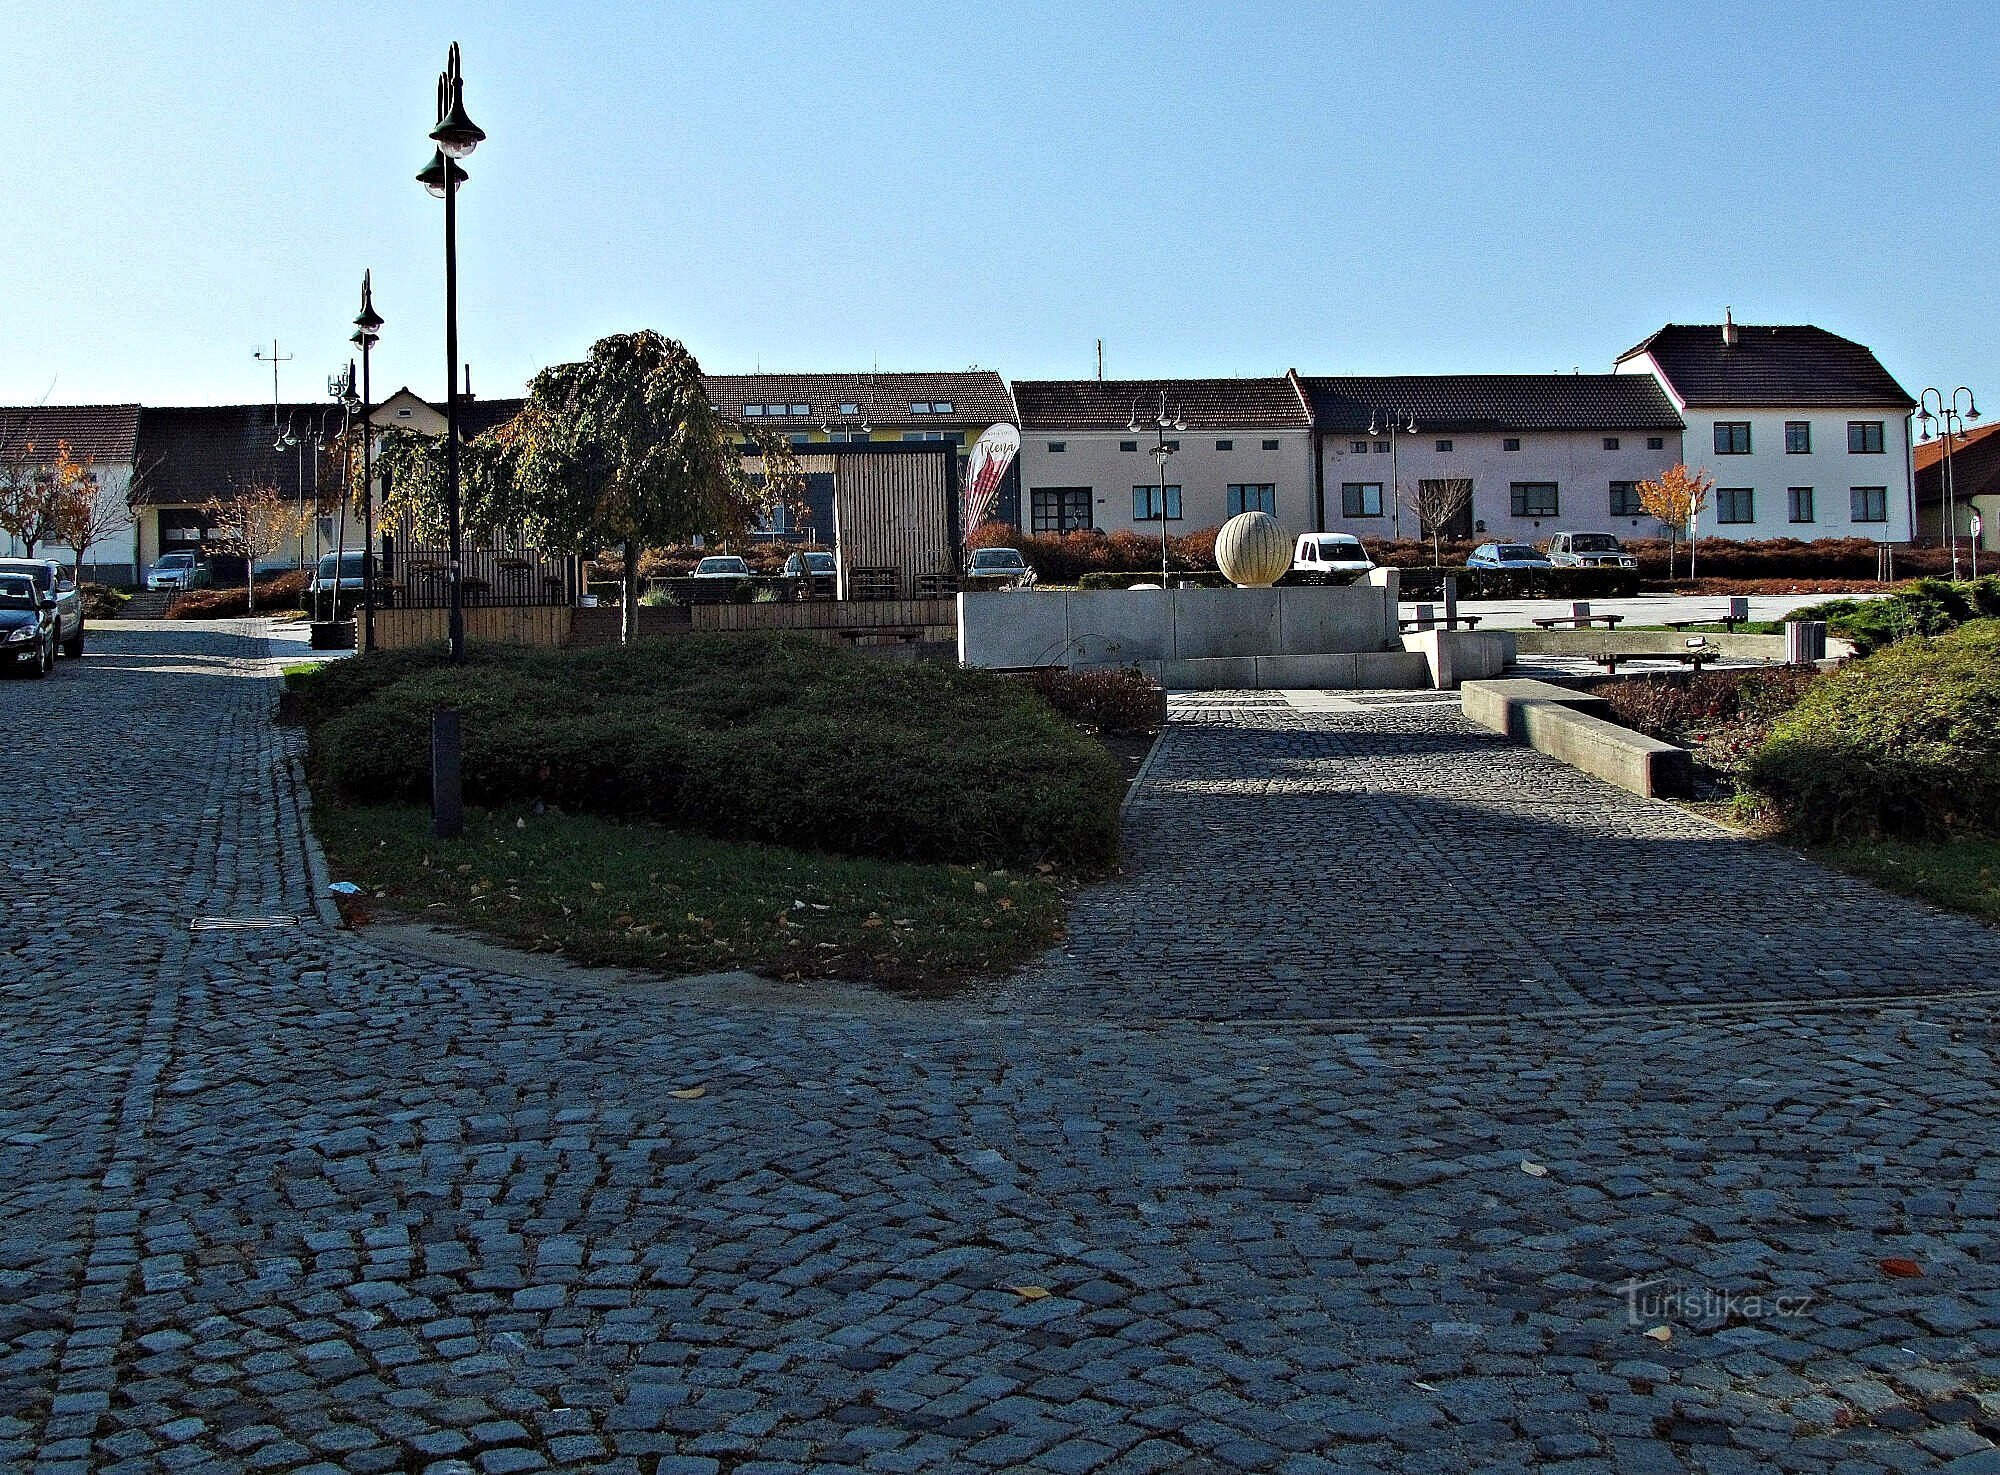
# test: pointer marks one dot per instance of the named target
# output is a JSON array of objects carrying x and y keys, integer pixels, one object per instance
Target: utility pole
[{"x": 273, "y": 358}]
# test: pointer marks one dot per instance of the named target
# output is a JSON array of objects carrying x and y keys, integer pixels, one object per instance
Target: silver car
[
  {"x": 173, "y": 571},
  {"x": 59, "y": 588}
]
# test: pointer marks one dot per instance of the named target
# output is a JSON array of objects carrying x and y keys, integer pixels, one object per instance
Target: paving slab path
[{"x": 274, "y": 1198}]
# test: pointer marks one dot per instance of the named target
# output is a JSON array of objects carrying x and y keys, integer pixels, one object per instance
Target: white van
[{"x": 1338, "y": 554}]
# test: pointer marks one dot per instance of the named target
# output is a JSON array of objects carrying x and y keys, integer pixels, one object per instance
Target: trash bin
[{"x": 1805, "y": 642}]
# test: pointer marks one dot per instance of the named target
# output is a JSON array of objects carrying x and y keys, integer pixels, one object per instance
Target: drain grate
[{"x": 241, "y": 924}]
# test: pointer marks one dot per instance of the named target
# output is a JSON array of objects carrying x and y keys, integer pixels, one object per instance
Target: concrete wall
[
  {"x": 1115, "y": 627},
  {"x": 1094, "y": 459},
  {"x": 1576, "y": 461}
]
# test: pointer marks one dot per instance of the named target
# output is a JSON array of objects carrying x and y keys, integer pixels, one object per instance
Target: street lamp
[
  {"x": 1162, "y": 452},
  {"x": 1395, "y": 424},
  {"x": 289, "y": 440},
  {"x": 456, "y": 136},
  {"x": 1948, "y": 422},
  {"x": 367, "y": 328}
]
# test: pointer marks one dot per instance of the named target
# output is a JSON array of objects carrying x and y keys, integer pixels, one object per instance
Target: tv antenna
[{"x": 273, "y": 358}]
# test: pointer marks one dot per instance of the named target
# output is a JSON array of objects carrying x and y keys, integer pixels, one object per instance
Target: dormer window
[
  {"x": 941, "y": 407},
  {"x": 920, "y": 407}
]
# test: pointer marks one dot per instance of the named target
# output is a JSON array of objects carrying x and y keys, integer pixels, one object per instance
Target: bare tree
[
  {"x": 254, "y": 522},
  {"x": 1436, "y": 502},
  {"x": 92, "y": 520}
]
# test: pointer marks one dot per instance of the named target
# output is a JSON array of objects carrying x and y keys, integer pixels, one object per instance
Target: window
[
  {"x": 1173, "y": 445},
  {"x": 1610, "y": 442},
  {"x": 1058, "y": 445},
  {"x": 1128, "y": 445},
  {"x": 1798, "y": 440},
  {"x": 1444, "y": 446},
  {"x": 850, "y": 437},
  {"x": 1732, "y": 437},
  {"x": 1225, "y": 445},
  {"x": 849, "y": 409},
  {"x": 920, "y": 436},
  {"x": 1735, "y": 504},
  {"x": 1253, "y": 498},
  {"x": 1625, "y": 500},
  {"x": 1511, "y": 443},
  {"x": 799, "y": 438},
  {"x": 1361, "y": 499},
  {"x": 1381, "y": 448},
  {"x": 753, "y": 412},
  {"x": 1656, "y": 442},
  {"x": 941, "y": 407},
  {"x": 1869, "y": 504},
  {"x": 1270, "y": 445},
  {"x": 1798, "y": 504},
  {"x": 1358, "y": 447},
  {"x": 1864, "y": 437},
  {"x": 802, "y": 409},
  {"x": 1146, "y": 504},
  {"x": 1059, "y": 509},
  {"x": 920, "y": 407},
  {"x": 1533, "y": 498}
]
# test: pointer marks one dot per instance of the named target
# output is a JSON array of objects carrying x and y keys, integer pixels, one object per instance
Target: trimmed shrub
[
  {"x": 1904, "y": 743},
  {"x": 746, "y": 737},
  {"x": 1926, "y": 607},
  {"x": 279, "y": 591},
  {"x": 1524, "y": 583},
  {"x": 1124, "y": 700}
]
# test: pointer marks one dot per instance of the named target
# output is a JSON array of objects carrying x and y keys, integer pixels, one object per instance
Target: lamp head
[
  {"x": 1372, "y": 426},
  {"x": 367, "y": 322},
  {"x": 456, "y": 135},
  {"x": 433, "y": 175}
]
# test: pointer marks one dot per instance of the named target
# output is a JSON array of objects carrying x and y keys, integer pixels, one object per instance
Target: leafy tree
[
  {"x": 776, "y": 485},
  {"x": 40, "y": 499},
  {"x": 254, "y": 522},
  {"x": 622, "y": 448},
  {"x": 1676, "y": 498}
]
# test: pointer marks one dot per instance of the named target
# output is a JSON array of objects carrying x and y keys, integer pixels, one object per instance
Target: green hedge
[
  {"x": 1526, "y": 583},
  {"x": 752, "y": 737},
  {"x": 1904, "y": 743},
  {"x": 1926, "y": 607}
]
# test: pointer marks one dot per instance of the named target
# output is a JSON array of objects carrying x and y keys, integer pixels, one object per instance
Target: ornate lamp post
[
  {"x": 456, "y": 136},
  {"x": 367, "y": 328},
  {"x": 1395, "y": 424},
  {"x": 1161, "y": 452},
  {"x": 1948, "y": 422},
  {"x": 289, "y": 440}
]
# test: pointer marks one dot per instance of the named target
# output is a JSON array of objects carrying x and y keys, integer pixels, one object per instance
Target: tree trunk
[
  {"x": 249, "y": 584},
  {"x": 628, "y": 625}
]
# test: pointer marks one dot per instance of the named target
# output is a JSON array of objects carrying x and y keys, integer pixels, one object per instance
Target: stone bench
[{"x": 1570, "y": 725}]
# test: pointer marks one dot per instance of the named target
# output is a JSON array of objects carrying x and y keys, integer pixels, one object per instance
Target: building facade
[
  {"x": 1542, "y": 452},
  {"x": 1975, "y": 489},
  {"x": 105, "y": 438},
  {"x": 1804, "y": 432},
  {"x": 1246, "y": 445}
]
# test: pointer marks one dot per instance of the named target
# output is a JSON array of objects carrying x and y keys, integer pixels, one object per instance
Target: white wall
[
  {"x": 1576, "y": 461},
  {"x": 1093, "y": 459},
  {"x": 114, "y": 483},
  {"x": 1770, "y": 471}
]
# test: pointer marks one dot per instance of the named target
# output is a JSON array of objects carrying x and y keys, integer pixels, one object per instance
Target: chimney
[
  {"x": 1728, "y": 328},
  {"x": 468, "y": 381}
]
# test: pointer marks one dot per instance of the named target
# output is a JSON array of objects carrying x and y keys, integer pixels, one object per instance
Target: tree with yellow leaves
[
  {"x": 43, "y": 498},
  {"x": 1676, "y": 498}
]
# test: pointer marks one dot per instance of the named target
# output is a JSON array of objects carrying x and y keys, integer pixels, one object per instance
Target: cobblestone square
[{"x": 1402, "y": 1083}]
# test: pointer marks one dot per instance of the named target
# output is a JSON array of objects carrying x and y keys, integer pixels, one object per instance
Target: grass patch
[
  {"x": 642, "y": 896},
  {"x": 1962, "y": 875}
]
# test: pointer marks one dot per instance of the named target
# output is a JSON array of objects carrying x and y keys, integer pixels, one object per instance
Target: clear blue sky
[{"x": 1209, "y": 188}]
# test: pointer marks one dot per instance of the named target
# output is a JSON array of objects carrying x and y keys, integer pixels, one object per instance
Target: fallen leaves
[
  {"x": 1902, "y": 1269},
  {"x": 1030, "y": 1293},
  {"x": 1533, "y": 1169},
  {"x": 689, "y": 1093},
  {"x": 1660, "y": 1333}
]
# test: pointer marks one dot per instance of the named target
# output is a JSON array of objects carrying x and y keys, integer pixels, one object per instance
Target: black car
[
  {"x": 56, "y": 584},
  {"x": 27, "y": 625}
]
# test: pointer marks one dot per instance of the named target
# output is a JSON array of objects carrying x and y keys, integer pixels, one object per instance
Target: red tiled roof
[{"x": 1930, "y": 452}]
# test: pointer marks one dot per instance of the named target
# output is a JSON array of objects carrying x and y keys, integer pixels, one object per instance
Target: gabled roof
[
  {"x": 1469, "y": 402},
  {"x": 1975, "y": 467},
  {"x": 103, "y": 433},
  {"x": 978, "y": 398},
  {"x": 1204, "y": 404},
  {"x": 188, "y": 454},
  {"x": 1930, "y": 452},
  {"x": 1770, "y": 367}
]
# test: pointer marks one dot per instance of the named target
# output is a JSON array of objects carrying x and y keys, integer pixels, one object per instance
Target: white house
[
  {"x": 1542, "y": 451},
  {"x": 104, "y": 436},
  {"x": 1805, "y": 433},
  {"x": 1245, "y": 445}
]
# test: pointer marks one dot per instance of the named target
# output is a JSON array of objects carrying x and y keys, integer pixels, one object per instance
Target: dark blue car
[
  {"x": 27, "y": 625},
  {"x": 1506, "y": 555}
]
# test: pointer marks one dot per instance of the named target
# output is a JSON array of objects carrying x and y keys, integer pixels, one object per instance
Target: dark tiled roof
[
  {"x": 187, "y": 455},
  {"x": 1772, "y": 367},
  {"x": 977, "y": 398},
  {"x": 101, "y": 432},
  {"x": 477, "y": 416},
  {"x": 1468, "y": 402},
  {"x": 1205, "y": 404},
  {"x": 1975, "y": 469}
]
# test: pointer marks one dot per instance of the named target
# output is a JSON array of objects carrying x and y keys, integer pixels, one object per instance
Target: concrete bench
[{"x": 1570, "y": 726}]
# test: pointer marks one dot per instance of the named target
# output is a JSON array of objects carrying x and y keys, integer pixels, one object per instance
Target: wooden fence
[{"x": 516, "y": 624}]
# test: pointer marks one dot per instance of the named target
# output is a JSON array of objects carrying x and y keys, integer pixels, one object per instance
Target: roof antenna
[
  {"x": 1100, "y": 361},
  {"x": 273, "y": 358}
]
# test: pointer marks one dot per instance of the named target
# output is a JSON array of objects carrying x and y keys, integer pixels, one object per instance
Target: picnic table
[{"x": 1578, "y": 622}]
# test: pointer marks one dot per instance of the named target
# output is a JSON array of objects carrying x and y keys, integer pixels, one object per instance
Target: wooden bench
[
  {"x": 1578, "y": 622},
  {"x": 1440, "y": 622},
  {"x": 1611, "y": 660},
  {"x": 901, "y": 634}
]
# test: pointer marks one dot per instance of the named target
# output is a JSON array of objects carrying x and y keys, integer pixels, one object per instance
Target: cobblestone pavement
[{"x": 271, "y": 1199}]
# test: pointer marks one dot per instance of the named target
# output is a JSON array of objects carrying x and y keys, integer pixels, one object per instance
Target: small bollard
[
  {"x": 1451, "y": 601},
  {"x": 447, "y": 801},
  {"x": 1579, "y": 609}
]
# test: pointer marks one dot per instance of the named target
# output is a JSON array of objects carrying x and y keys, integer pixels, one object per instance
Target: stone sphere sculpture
[{"x": 1252, "y": 550}]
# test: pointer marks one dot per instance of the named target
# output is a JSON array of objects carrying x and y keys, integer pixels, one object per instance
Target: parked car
[
  {"x": 818, "y": 564},
  {"x": 353, "y": 569},
  {"x": 27, "y": 625},
  {"x": 173, "y": 571},
  {"x": 1330, "y": 553},
  {"x": 1589, "y": 550},
  {"x": 998, "y": 568},
  {"x": 1506, "y": 555},
  {"x": 722, "y": 566},
  {"x": 57, "y": 585}
]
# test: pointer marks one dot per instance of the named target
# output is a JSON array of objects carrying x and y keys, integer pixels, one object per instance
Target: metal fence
[{"x": 413, "y": 572}]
